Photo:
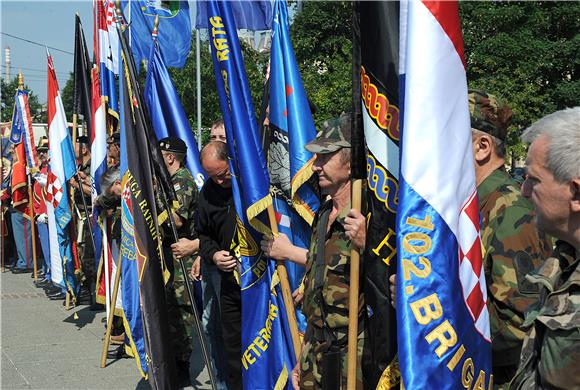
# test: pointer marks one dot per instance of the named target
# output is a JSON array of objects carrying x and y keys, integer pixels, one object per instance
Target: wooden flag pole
[
  {"x": 353, "y": 295},
  {"x": 111, "y": 314},
  {"x": 30, "y": 201},
  {"x": 286, "y": 292},
  {"x": 32, "y": 229}
]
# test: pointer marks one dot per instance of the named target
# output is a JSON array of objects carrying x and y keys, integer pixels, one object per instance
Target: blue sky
[
  {"x": 45, "y": 22},
  {"x": 49, "y": 23}
]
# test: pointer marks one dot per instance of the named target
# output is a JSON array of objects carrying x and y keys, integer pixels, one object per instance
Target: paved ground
[{"x": 44, "y": 347}]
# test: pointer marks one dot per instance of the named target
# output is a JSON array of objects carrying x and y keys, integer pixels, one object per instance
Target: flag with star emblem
[{"x": 291, "y": 127}]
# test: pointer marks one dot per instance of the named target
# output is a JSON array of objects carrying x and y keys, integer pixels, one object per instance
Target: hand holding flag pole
[
  {"x": 285, "y": 287},
  {"x": 198, "y": 328},
  {"x": 358, "y": 174}
]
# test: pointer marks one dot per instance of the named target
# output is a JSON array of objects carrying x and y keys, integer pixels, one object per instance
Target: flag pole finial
[
  {"x": 118, "y": 13},
  {"x": 20, "y": 81},
  {"x": 155, "y": 27}
]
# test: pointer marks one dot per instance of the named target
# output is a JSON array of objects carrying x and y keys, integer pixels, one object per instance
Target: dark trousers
[{"x": 231, "y": 313}]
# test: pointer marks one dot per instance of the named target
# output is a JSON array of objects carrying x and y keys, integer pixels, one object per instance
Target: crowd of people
[{"x": 530, "y": 237}]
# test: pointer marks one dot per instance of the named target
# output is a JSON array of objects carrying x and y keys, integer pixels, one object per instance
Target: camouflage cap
[
  {"x": 335, "y": 135},
  {"x": 173, "y": 144},
  {"x": 488, "y": 114}
]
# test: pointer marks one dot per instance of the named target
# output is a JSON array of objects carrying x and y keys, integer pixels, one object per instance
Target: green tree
[
  {"x": 67, "y": 96},
  {"x": 322, "y": 39},
  {"x": 525, "y": 52},
  {"x": 8, "y": 92},
  {"x": 185, "y": 83}
]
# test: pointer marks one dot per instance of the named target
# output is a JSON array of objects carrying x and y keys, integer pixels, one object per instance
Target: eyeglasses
[{"x": 222, "y": 175}]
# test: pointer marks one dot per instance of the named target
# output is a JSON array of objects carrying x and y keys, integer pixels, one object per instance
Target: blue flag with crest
[
  {"x": 267, "y": 353},
  {"x": 167, "y": 114},
  {"x": 174, "y": 29},
  {"x": 291, "y": 127}
]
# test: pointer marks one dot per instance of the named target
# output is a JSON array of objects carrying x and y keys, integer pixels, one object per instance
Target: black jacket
[{"x": 216, "y": 220}]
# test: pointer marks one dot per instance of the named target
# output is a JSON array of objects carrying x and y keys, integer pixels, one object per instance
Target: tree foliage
[
  {"x": 322, "y": 39},
  {"x": 8, "y": 92},
  {"x": 525, "y": 52},
  {"x": 186, "y": 84},
  {"x": 67, "y": 96}
]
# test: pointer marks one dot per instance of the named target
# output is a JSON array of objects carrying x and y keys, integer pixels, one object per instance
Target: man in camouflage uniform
[
  {"x": 323, "y": 361},
  {"x": 85, "y": 250},
  {"x": 551, "y": 351},
  {"x": 512, "y": 245},
  {"x": 179, "y": 308}
]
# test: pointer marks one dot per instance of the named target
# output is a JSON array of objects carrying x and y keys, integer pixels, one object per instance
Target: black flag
[
  {"x": 82, "y": 78},
  {"x": 375, "y": 99},
  {"x": 141, "y": 147}
]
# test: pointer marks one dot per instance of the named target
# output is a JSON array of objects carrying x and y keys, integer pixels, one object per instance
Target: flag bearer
[{"x": 181, "y": 323}]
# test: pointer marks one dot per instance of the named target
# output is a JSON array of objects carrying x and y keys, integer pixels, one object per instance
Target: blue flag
[
  {"x": 267, "y": 353},
  {"x": 167, "y": 114},
  {"x": 291, "y": 127},
  {"x": 174, "y": 29},
  {"x": 253, "y": 15},
  {"x": 442, "y": 315}
]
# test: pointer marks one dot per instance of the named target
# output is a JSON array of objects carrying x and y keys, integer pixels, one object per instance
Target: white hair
[
  {"x": 563, "y": 131},
  {"x": 109, "y": 178}
]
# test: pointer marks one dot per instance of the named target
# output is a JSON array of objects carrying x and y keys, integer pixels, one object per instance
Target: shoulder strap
[{"x": 320, "y": 245}]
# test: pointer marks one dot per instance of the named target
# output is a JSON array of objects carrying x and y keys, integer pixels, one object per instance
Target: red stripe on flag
[
  {"x": 447, "y": 14},
  {"x": 96, "y": 101},
  {"x": 52, "y": 90}
]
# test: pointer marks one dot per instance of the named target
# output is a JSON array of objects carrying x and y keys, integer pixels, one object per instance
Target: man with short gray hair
[
  {"x": 512, "y": 245},
  {"x": 551, "y": 350}
]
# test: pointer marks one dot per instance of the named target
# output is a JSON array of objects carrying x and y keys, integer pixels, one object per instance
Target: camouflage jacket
[
  {"x": 187, "y": 194},
  {"x": 512, "y": 248},
  {"x": 332, "y": 312},
  {"x": 551, "y": 351}
]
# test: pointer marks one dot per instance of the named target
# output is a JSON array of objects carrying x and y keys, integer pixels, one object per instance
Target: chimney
[{"x": 7, "y": 63}]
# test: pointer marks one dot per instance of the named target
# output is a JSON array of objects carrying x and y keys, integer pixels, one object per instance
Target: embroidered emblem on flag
[{"x": 127, "y": 212}]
